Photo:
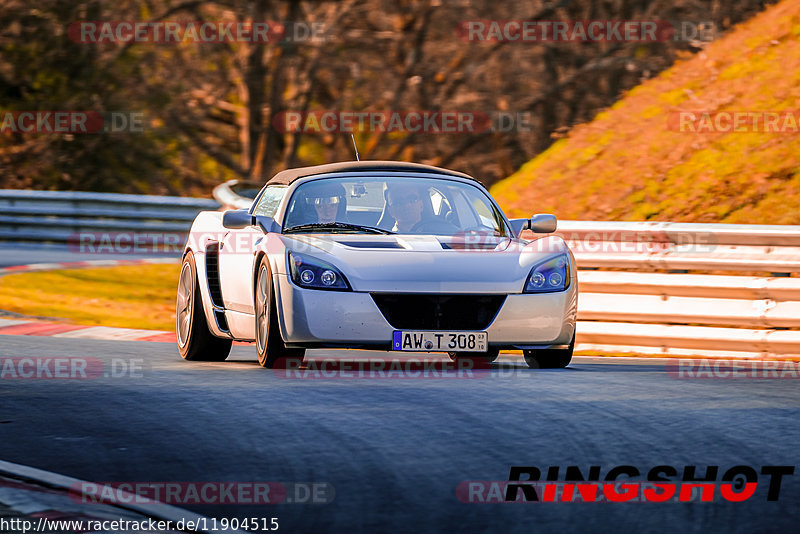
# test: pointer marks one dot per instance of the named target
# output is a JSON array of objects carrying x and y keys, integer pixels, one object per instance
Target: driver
[
  {"x": 326, "y": 200},
  {"x": 405, "y": 206}
]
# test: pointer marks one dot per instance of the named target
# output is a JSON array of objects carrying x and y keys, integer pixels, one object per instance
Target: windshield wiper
[{"x": 336, "y": 225}]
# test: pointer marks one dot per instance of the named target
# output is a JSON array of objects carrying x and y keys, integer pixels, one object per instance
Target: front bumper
[{"x": 317, "y": 318}]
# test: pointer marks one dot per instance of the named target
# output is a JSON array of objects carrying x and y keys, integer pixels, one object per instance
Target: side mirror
[
  {"x": 518, "y": 225},
  {"x": 235, "y": 219},
  {"x": 268, "y": 224},
  {"x": 543, "y": 223}
]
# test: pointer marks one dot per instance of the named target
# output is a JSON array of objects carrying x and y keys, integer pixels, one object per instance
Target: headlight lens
[
  {"x": 328, "y": 277},
  {"x": 549, "y": 276},
  {"x": 314, "y": 273}
]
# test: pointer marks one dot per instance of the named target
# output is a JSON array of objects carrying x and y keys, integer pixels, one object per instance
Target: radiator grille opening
[{"x": 438, "y": 312}]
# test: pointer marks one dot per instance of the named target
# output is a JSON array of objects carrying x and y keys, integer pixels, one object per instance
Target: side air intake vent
[
  {"x": 212, "y": 272},
  {"x": 214, "y": 287}
]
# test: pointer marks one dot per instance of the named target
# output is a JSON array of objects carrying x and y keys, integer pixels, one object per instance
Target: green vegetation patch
[
  {"x": 131, "y": 296},
  {"x": 632, "y": 162}
]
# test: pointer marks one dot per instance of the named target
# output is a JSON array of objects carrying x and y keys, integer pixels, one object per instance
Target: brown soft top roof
[{"x": 290, "y": 175}]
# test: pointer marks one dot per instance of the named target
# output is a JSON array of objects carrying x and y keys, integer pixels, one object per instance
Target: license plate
[{"x": 423, "y": 341}]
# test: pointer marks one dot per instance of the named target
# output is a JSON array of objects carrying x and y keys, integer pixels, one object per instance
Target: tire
[
  {"x": 195, "y": 340},
  {"x": 490, "y": 355},
  {"x": 271, "y": 350},
  {"x": 549, "y": 358}
]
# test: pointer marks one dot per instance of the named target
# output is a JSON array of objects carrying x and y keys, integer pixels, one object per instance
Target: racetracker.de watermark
[
  {"x": 203, "y": 493},
  {"x": 130, "y": 242},
  {"x": 138, "y": 31},
  {"x": 70, "y": 368},
  {"x": 586, "y": 31},
  {"x": 71, "y": 122},
  {"x": 387, "y": 368},
  {"x": 612, "y": 242},
  {"x": 735, "y": 121},
  {"x": 413, "y": 121},
  {"x": 705, "y": 369}
]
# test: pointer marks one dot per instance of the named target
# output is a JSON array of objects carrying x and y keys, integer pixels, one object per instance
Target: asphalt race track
[{"x": 395, "y": 450}]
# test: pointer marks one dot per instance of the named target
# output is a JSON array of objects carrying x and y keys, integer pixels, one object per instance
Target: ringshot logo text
[{"x": 627, "y": 483}]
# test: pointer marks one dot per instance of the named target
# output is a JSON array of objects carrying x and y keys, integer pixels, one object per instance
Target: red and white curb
[
  {"x": 23, "y": 327},
  {"x": 26, "y": 327}
]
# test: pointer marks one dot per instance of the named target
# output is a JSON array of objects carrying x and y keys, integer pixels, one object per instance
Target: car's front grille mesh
[{"x": 438, "y": 312}]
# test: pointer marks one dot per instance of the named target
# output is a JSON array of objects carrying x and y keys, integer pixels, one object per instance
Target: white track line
[{"x": 155, "y": 510}]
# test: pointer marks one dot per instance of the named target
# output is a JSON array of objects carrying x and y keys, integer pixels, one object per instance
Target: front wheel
[
  {"x": 269, "y": 344},
  {"x": 549, "y": 358},
  {"x": 195, "y": 340}
]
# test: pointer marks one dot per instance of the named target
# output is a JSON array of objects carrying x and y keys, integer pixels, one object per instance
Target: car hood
[{"x": 420, "y": 263}]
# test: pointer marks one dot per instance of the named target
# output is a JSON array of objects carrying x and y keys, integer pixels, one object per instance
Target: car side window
[
  {"x": 487, "y": 214},
  {"x": 441, "y": 205},
  {"x": 270, "y": 200},
  {"x": 465, "y": 215}
]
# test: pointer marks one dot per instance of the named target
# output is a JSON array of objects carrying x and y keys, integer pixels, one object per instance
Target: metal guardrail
[
  {"x": 56, "y": 216},
  {"x": 682, "y": 233},
  {"x": 687, "y": 246},
  {"x": 623, "y": 305},
  {"x": 707, "y": 312}
]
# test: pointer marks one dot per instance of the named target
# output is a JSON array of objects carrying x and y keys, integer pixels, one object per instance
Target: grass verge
[{"x": 130, "y": 296}]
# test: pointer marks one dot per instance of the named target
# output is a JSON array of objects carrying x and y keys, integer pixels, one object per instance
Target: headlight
[
  {"x": 551, "y": 275},
  {"x": 313, "y": 273}
]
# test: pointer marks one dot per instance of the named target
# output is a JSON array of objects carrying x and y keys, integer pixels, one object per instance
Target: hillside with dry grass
[{"x": 633, "y": 162}]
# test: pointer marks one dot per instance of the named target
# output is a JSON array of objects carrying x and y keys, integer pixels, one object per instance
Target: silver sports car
[{"x": 376, "y": 255}]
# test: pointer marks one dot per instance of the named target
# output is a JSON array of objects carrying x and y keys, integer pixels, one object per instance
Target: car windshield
[{"x": 401, "y": 205}]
